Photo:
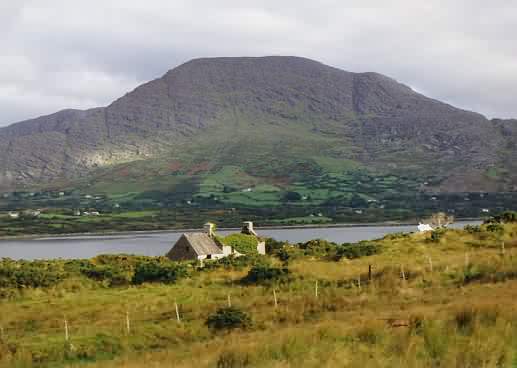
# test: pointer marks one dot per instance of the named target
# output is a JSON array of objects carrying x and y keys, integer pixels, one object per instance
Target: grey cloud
[{"x": 74, "y": 54}]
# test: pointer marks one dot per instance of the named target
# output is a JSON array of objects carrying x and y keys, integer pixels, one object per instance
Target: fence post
[
  {"x": 67, "y": 336},
  {"x": 369, "y": 272},
  {"x": 229, "y": 301},
  {"x": 316, "y": 289},
  {"x": 274, "y": 298},
  {"x": 177, "y": 311},
  {"x": 402, "y": 272},
  {"x": 128, "y": 323},
  {"x": 502, "y": 248},
  {"x": 430, "y": 263},
  {"x": 359, "y": 282}
]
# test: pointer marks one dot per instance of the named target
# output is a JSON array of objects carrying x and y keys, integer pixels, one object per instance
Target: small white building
[{"x": 424, "y": 227}]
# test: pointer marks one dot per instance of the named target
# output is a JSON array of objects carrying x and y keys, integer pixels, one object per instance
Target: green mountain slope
[{"x": 248, "y": 131}]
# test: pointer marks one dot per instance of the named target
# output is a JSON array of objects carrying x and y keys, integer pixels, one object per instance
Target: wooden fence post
[
  {"x": 128, "y": 323},
  {"x": 502, "y": 248},
  {"x": 274, "y": 298},
  {"x": 177, "y": 311},
  {"x": 229, "y": 301},
  {"x": 67, "y": 336},
  {"x": 316, "y": 289},
  {"x": 369, "y": 272}
]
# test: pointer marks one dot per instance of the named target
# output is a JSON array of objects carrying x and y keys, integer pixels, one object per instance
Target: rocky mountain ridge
[{"x": 372, "y": 120}]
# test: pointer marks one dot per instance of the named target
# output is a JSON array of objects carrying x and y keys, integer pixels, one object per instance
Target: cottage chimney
[
  {"x": 209, "y": 229},
  {"x": 247, "y": 228}
]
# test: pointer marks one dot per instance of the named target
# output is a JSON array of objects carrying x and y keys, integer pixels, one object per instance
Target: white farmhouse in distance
[{"x": 424, "y": 227}]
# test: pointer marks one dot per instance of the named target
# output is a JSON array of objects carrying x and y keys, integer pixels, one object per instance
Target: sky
[{"x": 58, "y": 54}]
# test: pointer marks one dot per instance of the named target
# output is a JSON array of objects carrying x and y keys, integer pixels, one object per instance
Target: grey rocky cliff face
[{"x": 374, "y": 111}]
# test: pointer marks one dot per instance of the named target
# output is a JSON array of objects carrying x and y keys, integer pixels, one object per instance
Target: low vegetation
[{"x": 407, "y": 300}]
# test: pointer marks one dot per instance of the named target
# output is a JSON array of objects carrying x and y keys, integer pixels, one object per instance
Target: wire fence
[{"x": 315, "y": 297}]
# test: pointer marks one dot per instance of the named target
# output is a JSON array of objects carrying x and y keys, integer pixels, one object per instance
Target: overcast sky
[{"x": 57, "y": 54}]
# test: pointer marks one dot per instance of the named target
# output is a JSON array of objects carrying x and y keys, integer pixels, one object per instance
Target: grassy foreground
[{"x": 441, "y": 299}]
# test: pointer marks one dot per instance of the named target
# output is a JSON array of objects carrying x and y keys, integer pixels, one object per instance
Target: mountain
[{"x": 271, "y": 123}]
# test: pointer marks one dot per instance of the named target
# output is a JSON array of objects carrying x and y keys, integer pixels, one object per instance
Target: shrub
[
  {"x": 273, "y": 245},
  {"x": 318, "y": 247},
  {"x": 156, "y": 271},
  {"x": 399, "y": 235},
  {"x": 495, "y": 227},
  {"x": 228, "y": 318},
  {"x": 233, "y": 262},
  {"x": 437, "y": 235},
  {"x": 265, "y": 274},
  {"x": 288, "y": 253},
  {"x": 113, "y": 275},
  {"x": 25, "y": 274},
  {"x": 508, "y": 216},
  {"x": 357, "y": 250},
  {"x": 473, "y": 229}
]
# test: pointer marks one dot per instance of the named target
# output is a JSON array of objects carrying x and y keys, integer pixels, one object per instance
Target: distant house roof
[{"x": 202, "y": 243}]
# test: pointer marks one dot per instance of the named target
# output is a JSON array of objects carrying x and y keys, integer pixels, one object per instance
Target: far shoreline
[{"x": 189, "y": 230}]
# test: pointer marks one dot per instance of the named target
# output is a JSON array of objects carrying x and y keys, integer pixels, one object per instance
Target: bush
[
  {"x": 473, "y": 229},
  {"x": 508, "y": 216},
  {"x": 399, "y": 235},
  {"x": 357, "y": 250},
  {"x": 437, "y": 235},
  {"x": 318, "y": 247},
  {"x": 24, "y": 274},
  {"x": 158, "y": 271},
  {"x": 288, "y": 253},
  {"x": 228, "y": 318},
  {"x": 273, "y": 245},
  {"x": 233, "y": 262},
  {"x": 113, "y": 275},
  {"x": 495, "y": 227},
  {"x": 265, "y": 274}
]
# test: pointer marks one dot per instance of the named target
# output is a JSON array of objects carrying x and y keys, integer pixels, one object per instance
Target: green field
[{"x": 439, "y": 299}]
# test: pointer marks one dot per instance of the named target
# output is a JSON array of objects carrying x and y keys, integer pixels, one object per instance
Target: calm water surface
[{"x": 155, "y": 244}]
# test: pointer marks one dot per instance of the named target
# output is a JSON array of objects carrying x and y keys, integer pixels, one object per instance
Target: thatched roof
[{"x": 202, "y": 243}]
